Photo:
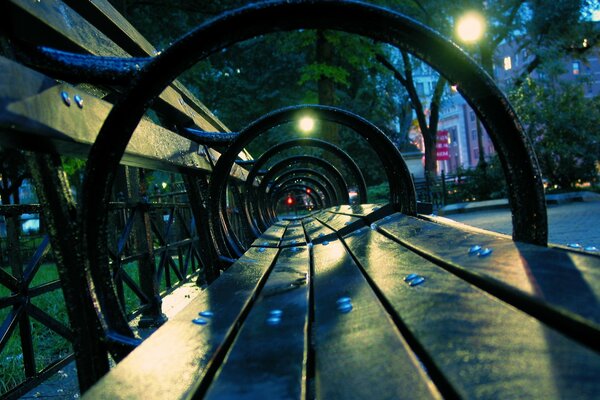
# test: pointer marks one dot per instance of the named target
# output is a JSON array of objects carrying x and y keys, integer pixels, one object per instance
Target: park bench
[{"x": 349, "y": 301}]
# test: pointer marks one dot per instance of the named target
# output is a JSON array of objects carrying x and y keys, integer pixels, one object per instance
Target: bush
[
  {"x": 379, "y": 193},
  {"x": 480, "y": 183}
]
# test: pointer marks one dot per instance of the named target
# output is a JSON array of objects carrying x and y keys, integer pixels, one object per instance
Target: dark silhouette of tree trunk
[
  {"x": 326, "y": 86},
  {"x": 428, "y": 127},
  {"x": 14, "y": 172}
]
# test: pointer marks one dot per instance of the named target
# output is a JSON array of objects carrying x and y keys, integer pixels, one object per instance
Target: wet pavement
[{"x": 577, "y": 222}]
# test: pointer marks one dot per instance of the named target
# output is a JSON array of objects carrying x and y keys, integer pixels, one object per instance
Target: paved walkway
[{"x": 567, "y": 223}]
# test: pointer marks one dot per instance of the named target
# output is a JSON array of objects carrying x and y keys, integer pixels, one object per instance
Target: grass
[{"x": 48, "y": 346}]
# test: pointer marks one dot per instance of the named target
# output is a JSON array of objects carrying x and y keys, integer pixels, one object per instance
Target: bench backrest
[{"x": 157, "y": 241}]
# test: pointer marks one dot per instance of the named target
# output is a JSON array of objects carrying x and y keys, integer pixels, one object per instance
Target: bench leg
[
  {"x": 135, "y": 185},
  {"x": 197, "y": 190},
  {"x": 60, "y": 214}
]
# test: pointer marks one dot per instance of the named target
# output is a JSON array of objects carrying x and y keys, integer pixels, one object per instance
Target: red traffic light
[
  {"x": 289, "y": 201},
  {"x": 308, "y": 190}
]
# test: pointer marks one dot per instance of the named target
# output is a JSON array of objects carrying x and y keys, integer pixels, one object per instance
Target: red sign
[{"x": 442, "y": 147}]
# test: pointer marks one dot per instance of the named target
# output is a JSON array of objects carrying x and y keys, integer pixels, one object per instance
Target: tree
[
  {"x": 251, "y": 78},
  {"x": 13, "y": 171},
  {"x": 427, "y": 125},
  {"x": 555, "y": 30},
  {"x": 563, "y": 126}
]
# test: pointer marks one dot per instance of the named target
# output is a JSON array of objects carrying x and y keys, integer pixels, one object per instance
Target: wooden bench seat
[
  {"x": 352, "y": 302},
  {"x": 519, "y": 322}
]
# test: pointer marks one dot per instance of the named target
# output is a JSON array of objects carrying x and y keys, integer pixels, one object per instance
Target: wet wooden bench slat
[
  {"x": 268, "y": 358},
  {"x": 559, "y": 287},
  {"x": 172, "y": 362},
  {"x": 481, "y": 347},
  {"x": 316, "y": 232},
  {"x": 294, "y": 235},
  {"x": 272, "y": 236},
  {"x": 446, "y": 337},
  {"x": 341, "y": 223},
  {"x": 35, "y": 118},
  {"x": 358, "y": 354}
]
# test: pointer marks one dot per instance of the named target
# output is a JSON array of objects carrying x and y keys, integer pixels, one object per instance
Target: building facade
[{"x": 459, "y": 119}]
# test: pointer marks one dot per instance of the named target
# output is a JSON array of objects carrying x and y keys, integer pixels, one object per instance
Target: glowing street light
[
  {"x": 306, "y": 124},
  {"x": 470, "y": 27}
]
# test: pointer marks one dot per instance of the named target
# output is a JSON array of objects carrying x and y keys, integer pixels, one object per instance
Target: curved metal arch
[
  {"x": 299, "y": 188},
  {"x": 525, "y": 190},
  {"x": 322, "y": 186},
  {"x": 402, "y": 191},
  {"x": 273, "y": 197},
  {"x": 267, "y": 214},
  {"x": 326, "y": 186},
  {"x": 341, "y": 188},
  {"x": 306, "y": 142},
  {"x": 301, "y": 180}
]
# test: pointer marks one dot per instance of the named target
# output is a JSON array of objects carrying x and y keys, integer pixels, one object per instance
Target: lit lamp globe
[
  {"x": 306, "y": 124},
  {"x": 470, "y": 27}
]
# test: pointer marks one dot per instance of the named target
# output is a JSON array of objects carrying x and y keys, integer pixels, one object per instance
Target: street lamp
[
  {"x": 470, "y": 27},
  {"x": 306, "y": 124}
]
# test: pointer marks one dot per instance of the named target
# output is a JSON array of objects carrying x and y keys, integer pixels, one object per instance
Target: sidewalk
[
  {"x": 562, "y": 198},
  {"x": 569, "y": 221}
]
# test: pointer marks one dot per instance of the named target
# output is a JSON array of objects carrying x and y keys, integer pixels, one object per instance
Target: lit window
[
  {"x": 576, "y": 68},
  {"x": 507, "y": 63}
]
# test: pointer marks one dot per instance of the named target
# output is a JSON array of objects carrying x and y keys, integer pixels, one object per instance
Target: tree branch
[
  {"x": 507, "y": 25},
  {"x": 387, "y": 64}
]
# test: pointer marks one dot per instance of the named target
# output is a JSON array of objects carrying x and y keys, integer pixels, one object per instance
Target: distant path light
[
  {"x": 306, "y": 124},
  {"x": 470, "y": 27}
]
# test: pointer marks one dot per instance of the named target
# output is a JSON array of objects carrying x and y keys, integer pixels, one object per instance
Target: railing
[
  {"x": 439, "y": 191},
  {"x": 154, "y": 248}
]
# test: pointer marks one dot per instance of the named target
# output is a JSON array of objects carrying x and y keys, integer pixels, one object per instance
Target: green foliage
[
  {"x": 480, "y": 183},
  {"x": 249, "y": 79},
  {"x": 73, "y": 165},
  {"x": 563, "y": 126},
  {"x": 48, "y": 346},
  {"x": 379, "y": 193},
  {"x": 316, "y": 71}
]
